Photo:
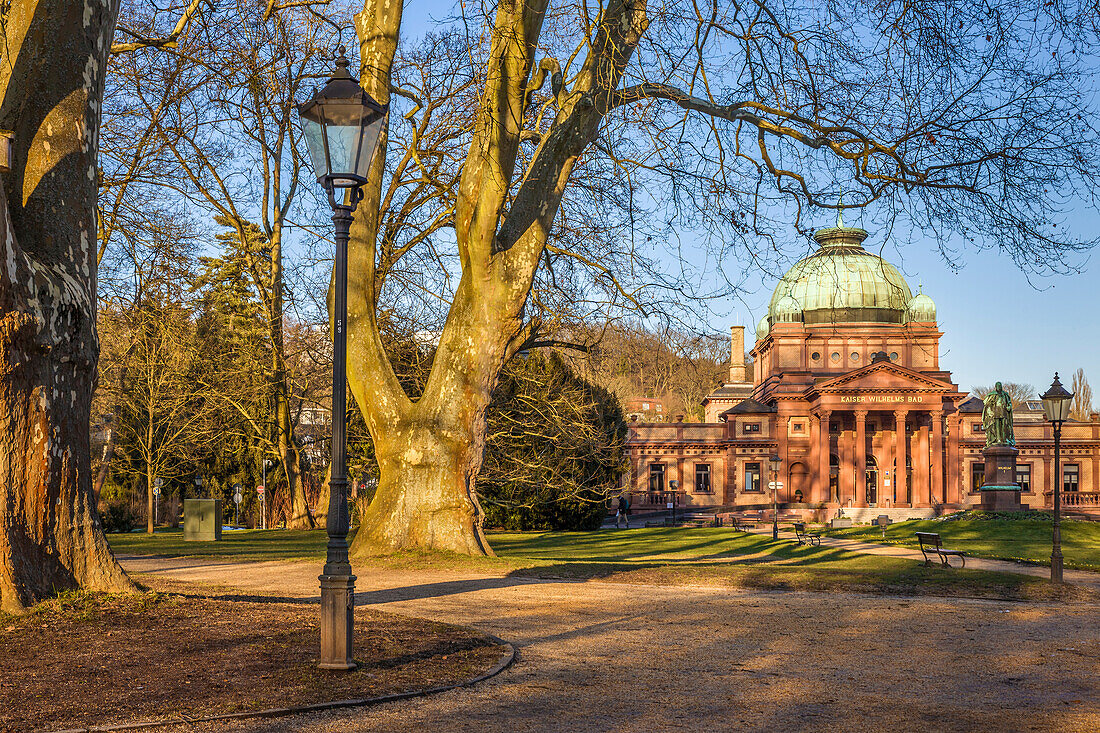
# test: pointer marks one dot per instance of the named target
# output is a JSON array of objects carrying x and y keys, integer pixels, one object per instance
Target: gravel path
[{"x": 597, "y": 656}]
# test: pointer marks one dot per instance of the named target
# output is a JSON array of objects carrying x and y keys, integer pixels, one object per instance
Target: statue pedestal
[{"x": 1000, "y": 492}]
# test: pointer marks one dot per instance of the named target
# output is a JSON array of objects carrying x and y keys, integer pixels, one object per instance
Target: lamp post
[
  {"x": 263, "y": 495},
  {"x": 1056, "y": 403},
  {"x": 774, "y": 463},
  {"x": 342, "y": 125},
  {"x": 237, "y": 500},
  {"x": 198, "y": 486}
]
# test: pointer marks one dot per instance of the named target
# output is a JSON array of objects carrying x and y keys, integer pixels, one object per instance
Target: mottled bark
[
  {"x": 429, "y": 452},
  {"x": 51, "y": 85}
]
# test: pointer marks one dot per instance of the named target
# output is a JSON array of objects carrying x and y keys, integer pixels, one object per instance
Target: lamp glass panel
[
  {"x": 314, "y": 134},
  {"x": 1063, "y": 408},
  {"x": 343, "y": 127},
  {"x": 368, "y": 143}
]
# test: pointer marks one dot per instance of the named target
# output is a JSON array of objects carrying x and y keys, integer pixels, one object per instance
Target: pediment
[{"x": 882, "y": 377}]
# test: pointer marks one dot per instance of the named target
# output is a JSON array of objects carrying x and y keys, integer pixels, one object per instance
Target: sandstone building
[{"x": 846, "y": 387}]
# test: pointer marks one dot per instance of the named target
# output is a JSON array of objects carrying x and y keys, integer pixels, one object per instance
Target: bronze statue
[{"x": 997, "y": 418}]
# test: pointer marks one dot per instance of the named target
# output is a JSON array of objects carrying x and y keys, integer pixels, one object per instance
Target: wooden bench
[
  {"x": 931, "y": 545},
  {"x": 804, "y": 537}
]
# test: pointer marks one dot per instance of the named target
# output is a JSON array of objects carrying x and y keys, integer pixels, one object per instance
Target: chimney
[{"x": 737, "y": 355}]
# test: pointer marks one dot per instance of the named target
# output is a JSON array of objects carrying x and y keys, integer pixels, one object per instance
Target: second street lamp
[
  {"x": 342, "y": 125},
  {"x": 1056, "y": 404},
  {"x": 775, "y": 462}
]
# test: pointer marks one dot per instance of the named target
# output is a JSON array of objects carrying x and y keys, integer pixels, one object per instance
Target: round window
[
  {"x": 816, "y": 355},
  {"x": 835, "y": 356},
  {"x": 855, "y": 356},
  {"x": 893, "y": 356}
]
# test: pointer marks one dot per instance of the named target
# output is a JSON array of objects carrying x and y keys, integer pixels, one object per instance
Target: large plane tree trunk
[
  {"x": 51, "y": 87},
  {"x": 429, "y": 452}
]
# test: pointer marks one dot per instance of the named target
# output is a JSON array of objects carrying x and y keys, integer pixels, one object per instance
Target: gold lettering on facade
[{"x": 882, "y": 398}]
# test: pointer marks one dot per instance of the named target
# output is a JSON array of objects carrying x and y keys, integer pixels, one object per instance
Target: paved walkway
[
  {"x": 597, "y": 656},
  {"x": 1077, "y": 577}
]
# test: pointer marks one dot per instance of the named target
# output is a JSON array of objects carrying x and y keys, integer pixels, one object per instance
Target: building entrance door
[
  {"x": 872, "y": 481},
  {"x": 834, "y": 478}
]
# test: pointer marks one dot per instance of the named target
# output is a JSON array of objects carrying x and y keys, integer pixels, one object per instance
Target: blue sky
[{"x": 998, "y": 324}]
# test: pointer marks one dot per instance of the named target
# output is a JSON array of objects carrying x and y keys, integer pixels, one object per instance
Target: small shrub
[{"x": 118, "y": 518}]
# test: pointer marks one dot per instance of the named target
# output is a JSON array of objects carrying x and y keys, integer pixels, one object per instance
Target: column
[
  {"x": 814, "y": 460},
  {"x": 845, "y": 463},
  {"x": 954, "y": 482},
  {"x": 823, "y": 457},
  {"x": 860, "y": 498},
  {"x": 900, "y": 454},
  {"x": 922, "y": 491},
  {"x": 937, "y": 456},
  {"x": 731, "y": 477}
]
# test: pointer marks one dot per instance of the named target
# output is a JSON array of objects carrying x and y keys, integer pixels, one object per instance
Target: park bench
[
  {"x": 932, "y": 546},
  {"x": 804, "y": 537}
]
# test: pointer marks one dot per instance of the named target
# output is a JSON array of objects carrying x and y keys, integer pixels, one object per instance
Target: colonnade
[{"x": 890, "y": 445}]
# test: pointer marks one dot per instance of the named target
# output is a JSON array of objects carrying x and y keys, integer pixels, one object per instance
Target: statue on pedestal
[
  {"x": 997, "y": 418},
  {"x": 1000, "y": 491}
]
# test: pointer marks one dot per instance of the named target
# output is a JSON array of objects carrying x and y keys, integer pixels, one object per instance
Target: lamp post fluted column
[
  {"x": 337, "y": 582},
  {"x": 342, "y": 127},
  {"x": 1056, "y": 551},
  {"x": 1056, "y": 406}
]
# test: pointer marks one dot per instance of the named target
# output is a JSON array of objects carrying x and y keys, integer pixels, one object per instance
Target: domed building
[{"x": 845, "y": 387}]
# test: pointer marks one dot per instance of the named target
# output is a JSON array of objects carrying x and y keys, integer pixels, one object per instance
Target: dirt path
[{"x": 613, "y": 657}]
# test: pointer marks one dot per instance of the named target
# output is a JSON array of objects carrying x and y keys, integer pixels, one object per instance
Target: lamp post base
[
  {"x": 337, "y": 623},
  {"x": 1056, "y": 567}
]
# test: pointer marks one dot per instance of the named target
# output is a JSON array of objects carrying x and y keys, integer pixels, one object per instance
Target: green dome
[
  {"x": 762, "y": 328},
  {"x": 920, "y": 309},
  {"x": 841, "y": 282}
]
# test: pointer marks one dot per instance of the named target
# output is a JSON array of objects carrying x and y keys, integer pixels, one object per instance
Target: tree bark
[
  {"x": 51, "y": 86},
  {"x": 429, "y": 452}
]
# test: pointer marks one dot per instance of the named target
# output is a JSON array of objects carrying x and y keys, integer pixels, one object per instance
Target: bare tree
[
  {"x": 1081, "y": 407},
  {"x": 220, "y": 113},
  {"x": 728, "y": 118},
  {"x": 1019, "y": 393}
]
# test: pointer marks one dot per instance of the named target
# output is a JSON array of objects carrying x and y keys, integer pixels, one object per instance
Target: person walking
[{"x": 623, "y": 511}]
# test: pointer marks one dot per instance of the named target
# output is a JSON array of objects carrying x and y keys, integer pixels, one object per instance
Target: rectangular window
[
  {"x": 702, "y": 477},
  {"x": 656, "y": 477},
  {"x": 798, "y": 427},
  {"x": 977, "y": 476},
  {"x": 750, "y": 427},
  {"x": 1023, "y": 476},
  {"x": 752, "y": 478},
  {"x": 977, "y": 427},
  {"x": 1070, "y": 475}
]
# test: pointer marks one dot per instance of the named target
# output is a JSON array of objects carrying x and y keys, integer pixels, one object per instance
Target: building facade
[{"x": 846, "y": 388}]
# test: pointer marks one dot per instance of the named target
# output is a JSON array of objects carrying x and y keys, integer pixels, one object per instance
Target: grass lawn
[
  {"x": 702, "y": 556},
  {"x": 1003, "y": 539}
]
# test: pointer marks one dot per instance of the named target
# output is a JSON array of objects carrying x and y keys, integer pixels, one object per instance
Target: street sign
[
  {"x": 775, "y": 484},
  {"x": 237, "y": 498},
  {"x": 260, "y": 490},
  {"x": 670, "y": 505},
  {"x": 156, "y": 491}
]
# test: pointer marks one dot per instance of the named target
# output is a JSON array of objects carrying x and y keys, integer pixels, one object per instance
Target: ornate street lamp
[
  {"x": 342, "y": 125},
  {"x": 775, "y": 462},
  {"x": 1056, "y": 402},
  {"x": 237, "y": 500}
]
